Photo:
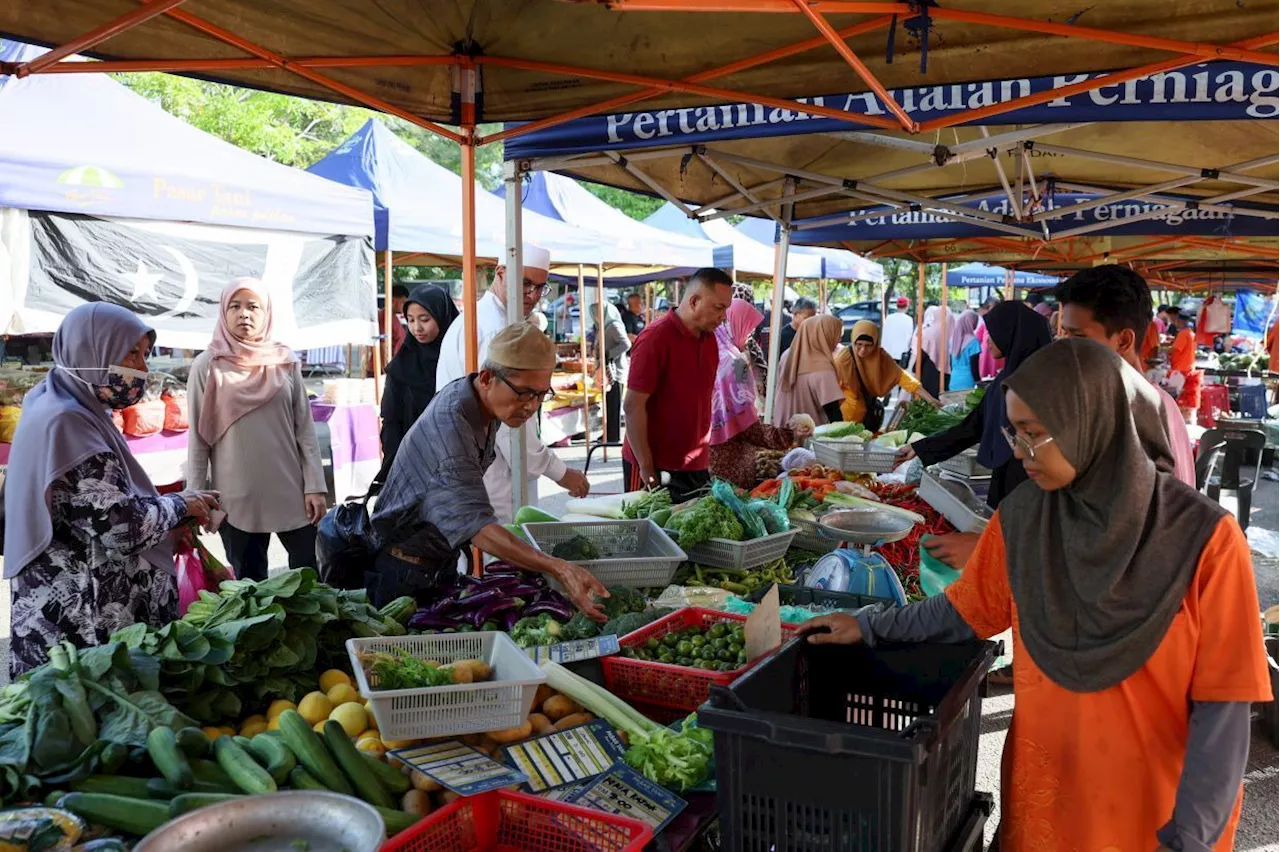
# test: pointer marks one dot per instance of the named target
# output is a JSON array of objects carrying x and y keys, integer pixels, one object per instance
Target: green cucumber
[
  {"x": 51, "y": 800},
  {"x": 162, "y": 745},
  {"x": 301, "y": 779},
  {"x": 397, "y": 820},
  {"x": 274, "y": 755},
  {"x": 244, "y": 771},
  {"x": 243, "y": 742},
  {"x": 393, "y": 779},
  {"x": 191, "y": 801},
  {"x": 116, "y": 785},
  {"x": 211, "y": 773},
  {"x": 121, "y": 813},
  {"x": 193, "y": 742},
  {"x": 366, "y": 783},
  {"x": 400, "y": 609},
  {"x": 311, "y": 753},
  {"x": 158, "y": 788},
  {"x": 113, "y": 757}
]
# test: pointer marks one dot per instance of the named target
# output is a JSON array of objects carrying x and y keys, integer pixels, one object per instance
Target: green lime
[{"x": 717, "y": 631}]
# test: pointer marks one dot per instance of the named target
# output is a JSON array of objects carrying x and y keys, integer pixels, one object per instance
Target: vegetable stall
[{"x": 490, "y": 701}]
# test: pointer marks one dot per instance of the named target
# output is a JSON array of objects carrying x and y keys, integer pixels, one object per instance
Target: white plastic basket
[
  {"x": 958, "y": 511},
  {"x": 810, "y": 538},
  {"x": 504, "y": 701},
  {"x": 742, "y": 555},
  {"x": 965, "y": 464},
  {"x": 852, "y": 457},
  {"x": 639, "y": 554}
]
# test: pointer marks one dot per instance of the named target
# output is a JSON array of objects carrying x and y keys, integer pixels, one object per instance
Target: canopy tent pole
[
  {"x": 781, "y": 246},
  {"x": 515, "y": 306},
  {"x": 600, "y": 365},
  {"x": 383, "y": 348},
  {"x": 1008, "y": 284},
  {"x": 822, "y": 295},
  {"x": 920, "y": 313},
  {"x": 582, "y": 349},
  {"x": 946, "y": 338},
  {"x": 884, "y": 308}
]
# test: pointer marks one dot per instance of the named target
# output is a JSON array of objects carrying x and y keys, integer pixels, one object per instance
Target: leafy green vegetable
[
  {"x": 644, "y": 507},
  {"x": 576, "y": 549},
  {"x": 924, "y": 418},
  {"x": 402, "y": 671},
  {"x": 709, "y": 518},
  {"x": 579, "y": 627},
  {"x": 536, "y": 630},
  {"x": 633, "y": 621},
  {"x": 622, "y": 600}
]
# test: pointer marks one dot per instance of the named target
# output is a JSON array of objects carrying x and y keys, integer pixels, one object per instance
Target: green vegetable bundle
[
  {"x": 924, "y": 418},
  {"x": 255, "y": 642},
  {"x": 78, "y": 714},
  {"x": 707, "y": 519}
]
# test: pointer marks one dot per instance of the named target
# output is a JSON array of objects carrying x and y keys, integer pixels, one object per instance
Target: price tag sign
[
  {"x": 459, "y": 767},
  {"x": 763, "y": 630},
  {"x": 566, "y": 757},
  {"x": 624, "y": 792},
  {"x": 575, "y": 651}
]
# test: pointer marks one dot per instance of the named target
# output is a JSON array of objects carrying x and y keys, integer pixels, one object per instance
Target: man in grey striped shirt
[{"x": 434, "y": 502}]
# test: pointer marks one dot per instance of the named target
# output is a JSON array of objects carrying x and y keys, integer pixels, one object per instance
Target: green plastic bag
[{"x": 935, "y": 575}]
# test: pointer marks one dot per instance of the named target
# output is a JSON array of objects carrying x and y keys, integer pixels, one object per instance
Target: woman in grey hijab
[
  {"x": 1134, "y": 613},
  {"x": 86, "y": 535}
]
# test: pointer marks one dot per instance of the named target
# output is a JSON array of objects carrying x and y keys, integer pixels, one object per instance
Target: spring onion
[
  {"x": 848, "y": 501},
  {"x": 609, "y": 507}
]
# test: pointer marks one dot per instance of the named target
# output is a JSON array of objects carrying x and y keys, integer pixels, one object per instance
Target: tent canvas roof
[
  {"x": 629, "y": 241},
  {"x": 748, "y": 257},
  {"x": 87, "y": 144},
  {"x": 418, "y": 204}
]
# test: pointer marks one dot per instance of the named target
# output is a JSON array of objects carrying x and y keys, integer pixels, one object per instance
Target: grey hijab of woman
[{"x": 1098, "y": 569}]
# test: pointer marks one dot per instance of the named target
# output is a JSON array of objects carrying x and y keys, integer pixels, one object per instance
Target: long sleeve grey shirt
[{"x": 1217, "y": 742}]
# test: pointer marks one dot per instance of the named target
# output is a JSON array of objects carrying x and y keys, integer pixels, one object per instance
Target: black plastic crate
[
  {"x": 789, "y": 595},
  {"x": 823, "y": 748}
]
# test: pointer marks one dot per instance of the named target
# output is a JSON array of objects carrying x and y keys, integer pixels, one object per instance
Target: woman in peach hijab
[{"x": 252, "y": 434}]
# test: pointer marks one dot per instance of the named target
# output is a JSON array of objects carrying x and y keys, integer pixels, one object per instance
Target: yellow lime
[
  {"x": 274, "y": 724},
  {"x": 279, "y": 706},
  {"x": 352, "y": 717},
  {"x": 343, "y": 693},
  {"x": 332, "y": 678},
  {"x": 252, "y": 729},
  {"x": 213, "y": 733},
  {"x": 315, "y": 707},
  {"x": 228, "y": 730},
  {"x": 372, "y": 745},
  {"x": 318, "y": 727}
]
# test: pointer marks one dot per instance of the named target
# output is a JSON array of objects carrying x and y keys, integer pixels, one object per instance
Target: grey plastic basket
[
  {"x": 852, "y": 457},
  {"x": 637, "y": 554},
  {"x": 742, "y": 555},
  {"x": 966, "y": 465},
  {"x": 809, "y": 538},
  {"x": 958, "y": 511}
]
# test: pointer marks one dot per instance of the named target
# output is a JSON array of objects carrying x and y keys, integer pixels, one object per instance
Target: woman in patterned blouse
[{"x": 87, "y": 537}]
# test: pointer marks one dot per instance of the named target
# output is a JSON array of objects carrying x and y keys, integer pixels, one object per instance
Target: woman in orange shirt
[
  {"x": 1182, "y": 362},
  {"x": 1135, "y": 622}
]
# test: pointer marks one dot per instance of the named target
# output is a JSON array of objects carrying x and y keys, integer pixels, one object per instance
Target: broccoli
[
  {"x": 580, "y": 627},
  {"x": 535, "y": 630},
  {"x": 622, "y": 601},
  {"x": 577, "y": 549},
  {"x": 633, "y": 621}
]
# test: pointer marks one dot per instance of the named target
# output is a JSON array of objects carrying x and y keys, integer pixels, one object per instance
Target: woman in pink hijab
[
  {"x": 253, "y": 435},
  {"x": 737, "y": 435}
]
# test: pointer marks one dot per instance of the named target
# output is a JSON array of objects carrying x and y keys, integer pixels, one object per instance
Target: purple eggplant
[
  {"x": 476, "y": 601},
  {"x": 468, "y": 580},
  {"x": 426, "y": 620},
  {"x": 558, "y": 611},
  {"x": 524, "y": 590},
  {"x": 492, "y": 611},
  {"x": 509, "y": 618}
]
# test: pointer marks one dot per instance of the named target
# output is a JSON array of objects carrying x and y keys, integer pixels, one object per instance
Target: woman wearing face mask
[
  {"x": 253, "y": 437},
  {"x": 411, "y": 375},
  {"x": 87, "y": 548},
  {"x": 1134, "y": 613}
]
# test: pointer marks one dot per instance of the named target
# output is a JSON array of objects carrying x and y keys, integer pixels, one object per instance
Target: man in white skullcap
[{"x": 491, "y": 318}]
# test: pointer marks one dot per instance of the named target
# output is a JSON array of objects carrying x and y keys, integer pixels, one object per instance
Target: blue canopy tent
[
  {"x": 635, "y": 253},
  {"x": 109, "y": 198}
]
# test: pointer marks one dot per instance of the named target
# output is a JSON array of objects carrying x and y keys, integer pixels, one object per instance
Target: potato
[
  {"x": 448, "y": 797},
  {"x": 417, "y": 802},
  {"x": 423, "y": 783},
  {"x": 512, "y": 735},
  {"x": 559, "y": 706},
  {"x": 480, "y": 670},
  {"x": 544, "y": 692},
  {"x": 573, "y": 719},
  {"x": 461, "y": 674},
  {"x": 541, "y": 724}
]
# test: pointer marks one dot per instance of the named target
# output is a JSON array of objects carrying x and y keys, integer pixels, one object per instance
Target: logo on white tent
[{"x": 90, "y": 176}]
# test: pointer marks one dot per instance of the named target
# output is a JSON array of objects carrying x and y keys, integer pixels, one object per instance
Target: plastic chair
[{"x": 1238, "y": 448}]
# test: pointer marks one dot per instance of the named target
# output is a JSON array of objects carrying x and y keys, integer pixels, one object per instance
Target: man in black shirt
[
  {"x": 803, "y": 308},
  {"x": 633, "y": 316}
]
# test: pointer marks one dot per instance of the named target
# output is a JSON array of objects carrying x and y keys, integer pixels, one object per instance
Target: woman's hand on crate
[
  {"x": 954, "y": 549},
  {"x": 582, "y": 588},
  {"x": 905, "y": 454},
  {"x": 834, "y": 629}
]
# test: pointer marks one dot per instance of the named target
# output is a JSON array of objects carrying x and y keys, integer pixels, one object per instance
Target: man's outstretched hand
[{"x": 582, "y": 588}]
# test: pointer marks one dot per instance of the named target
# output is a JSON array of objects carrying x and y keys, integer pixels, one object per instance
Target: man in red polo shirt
[{"x": 668, "y": 404}]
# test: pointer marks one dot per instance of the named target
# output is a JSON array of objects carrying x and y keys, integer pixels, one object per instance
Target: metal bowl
[
  {"x": 864, "y": 526},
  {"x": 291, "y": 821}
]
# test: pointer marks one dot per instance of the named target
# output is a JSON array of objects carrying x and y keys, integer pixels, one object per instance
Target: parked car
[{"x": 857, "y": 312}]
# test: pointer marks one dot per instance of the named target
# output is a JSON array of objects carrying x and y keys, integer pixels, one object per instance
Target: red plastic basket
[
  {"x": 665, "y": 685},
  {"x": 503, "y": 821}
]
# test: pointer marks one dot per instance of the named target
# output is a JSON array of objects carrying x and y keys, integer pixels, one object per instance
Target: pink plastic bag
[{"x": 197, "y": 571}]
